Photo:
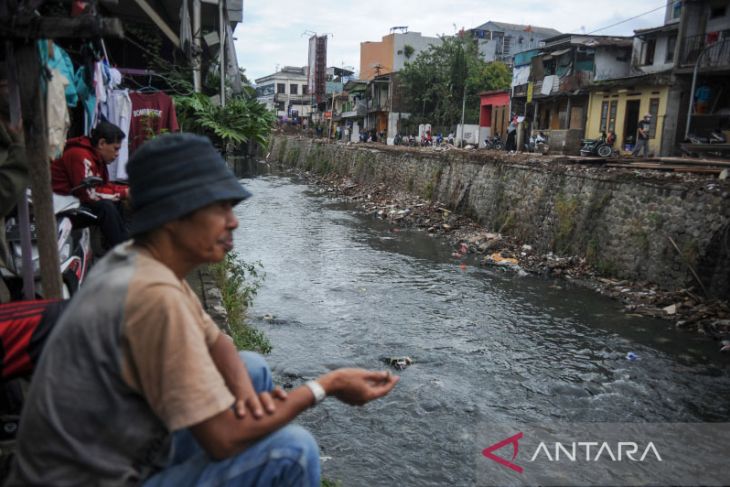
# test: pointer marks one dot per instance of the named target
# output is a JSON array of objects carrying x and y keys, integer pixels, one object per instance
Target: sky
[{"x": 274, "y": 33}]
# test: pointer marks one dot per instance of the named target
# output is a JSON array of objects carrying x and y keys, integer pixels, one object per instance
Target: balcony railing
[
  {"x": 717, "y": 55},
  {"x": 574, "y": 81}
]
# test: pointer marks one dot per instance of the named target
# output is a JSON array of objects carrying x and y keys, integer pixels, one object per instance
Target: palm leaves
[{"x": 241, "y": 121}]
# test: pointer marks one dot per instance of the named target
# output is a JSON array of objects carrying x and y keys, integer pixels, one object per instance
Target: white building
[
  {"x": 499, "y": 41},
  {"x": 285, "y": 92}
]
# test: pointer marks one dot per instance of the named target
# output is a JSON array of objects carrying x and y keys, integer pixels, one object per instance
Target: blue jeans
[{"x": 287, "y": 457}]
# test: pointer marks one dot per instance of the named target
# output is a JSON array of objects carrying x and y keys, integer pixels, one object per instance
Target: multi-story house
[
  {"x": 285, "y": 92},
  {"x": 550, "y": 85},
  {"x": 617, "y": 103},
  {"x": 499, "y": 41},
  {"x": 390, "y": 54},
  {"x": 684, "y": 62},
  {"x": 379, "y": 65},
  {"x": 702, "y": 68}
]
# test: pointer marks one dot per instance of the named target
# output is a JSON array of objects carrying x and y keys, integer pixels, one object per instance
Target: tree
[{"x": 435, "y": 82}]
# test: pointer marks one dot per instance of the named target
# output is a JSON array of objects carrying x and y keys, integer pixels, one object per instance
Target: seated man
[
  {"x": 88, "y": 156},
  {"x": 137, "y": 385}
]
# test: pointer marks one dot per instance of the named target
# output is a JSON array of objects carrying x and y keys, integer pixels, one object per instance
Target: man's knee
[
  {"x": 258, "y": 370},
  {"x": 296, "y": 439}
]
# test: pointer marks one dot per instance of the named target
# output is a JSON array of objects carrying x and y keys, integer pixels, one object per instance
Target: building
[
  {"x": 391, "y": 53},
  {"x": 356, "y": 108},
  {"x": 662, "y": 80},
  {"x": 702, "y": 68},
  {"x": 285, "y": 92},
  {"x": 551, "y": 87},
  {"x": 616, "y": 105},
  {"x": 499, "y": 41},
  {"x": 493, "y": 114}
]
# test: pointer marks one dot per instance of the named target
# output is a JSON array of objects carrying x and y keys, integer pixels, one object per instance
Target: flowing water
[{"x": 347, "y": 289}]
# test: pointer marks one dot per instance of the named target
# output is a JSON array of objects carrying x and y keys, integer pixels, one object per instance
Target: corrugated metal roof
[{"x": 548, "y": 31}]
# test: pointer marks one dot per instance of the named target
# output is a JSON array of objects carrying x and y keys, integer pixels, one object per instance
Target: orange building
[{"x": 390, "y": 54}]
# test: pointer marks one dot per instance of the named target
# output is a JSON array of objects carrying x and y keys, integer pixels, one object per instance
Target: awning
[{"x": 560, "y": 52}]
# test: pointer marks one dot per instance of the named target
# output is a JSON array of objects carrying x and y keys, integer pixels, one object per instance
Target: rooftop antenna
[{"x": 402, "y": 28}]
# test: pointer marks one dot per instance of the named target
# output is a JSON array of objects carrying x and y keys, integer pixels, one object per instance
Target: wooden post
[{"x": 36, "y": 144}]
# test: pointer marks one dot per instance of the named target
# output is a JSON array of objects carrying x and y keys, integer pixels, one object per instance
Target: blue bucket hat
[{"x": 174, "y": 175}]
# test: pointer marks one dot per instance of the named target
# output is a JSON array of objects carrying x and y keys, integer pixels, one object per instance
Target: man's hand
[
  {"x": 358, "y": 386},
  {"x": 257, "y": 404}
]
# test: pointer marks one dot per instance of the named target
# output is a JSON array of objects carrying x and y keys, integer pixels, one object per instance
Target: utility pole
[
  {"x": 221, "y": 20},
  {"x": 197, "y": 34}
]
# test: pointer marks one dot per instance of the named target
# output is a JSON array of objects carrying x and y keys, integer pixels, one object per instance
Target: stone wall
[{"x": 652, "y": 228}]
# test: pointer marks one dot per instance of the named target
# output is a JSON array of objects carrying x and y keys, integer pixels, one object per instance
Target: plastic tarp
[{"x": 520, "y": 75}]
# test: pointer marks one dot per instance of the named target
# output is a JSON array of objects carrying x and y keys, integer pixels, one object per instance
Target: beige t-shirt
[{"x": 127, "y": 364}]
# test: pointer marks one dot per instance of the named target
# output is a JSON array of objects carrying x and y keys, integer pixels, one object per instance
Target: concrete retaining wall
[{"x": 626, "y": 226}]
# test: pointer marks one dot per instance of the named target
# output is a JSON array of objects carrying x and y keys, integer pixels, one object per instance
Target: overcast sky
[{"x": 273, "y": 31}]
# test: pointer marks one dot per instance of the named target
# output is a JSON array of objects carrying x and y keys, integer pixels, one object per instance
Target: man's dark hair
[{"x": 107, "y": 131}]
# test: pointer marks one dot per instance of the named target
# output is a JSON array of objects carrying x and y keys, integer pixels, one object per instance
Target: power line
[{"x": 664, "y": 5}]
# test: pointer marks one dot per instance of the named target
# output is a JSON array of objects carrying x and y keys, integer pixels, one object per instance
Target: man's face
[
  {"x": 207, "y": 234},
  {"x": 107, "y": 151},
  {"x": 647, "y": 119}
]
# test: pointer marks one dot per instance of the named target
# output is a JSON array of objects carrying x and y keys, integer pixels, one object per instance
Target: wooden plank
[
  {"x": 84, "y": 26},
  {"x": 667, "y": 167},
  {"x": 36, "y": 146},
  {"x": 696, "y": 161}
]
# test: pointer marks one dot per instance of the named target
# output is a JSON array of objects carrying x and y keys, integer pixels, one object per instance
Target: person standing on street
[{"x": 642, "y": 138}]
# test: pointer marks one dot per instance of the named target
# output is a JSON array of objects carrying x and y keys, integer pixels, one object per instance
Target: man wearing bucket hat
[
  {"x": 138, "y": 386},
  {"x": 642, "y": 139}
]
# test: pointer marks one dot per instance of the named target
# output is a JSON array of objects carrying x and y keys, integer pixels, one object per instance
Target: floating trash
[
  {"x": 398, "y": 363},
  {"x": 632, "y": 356}
]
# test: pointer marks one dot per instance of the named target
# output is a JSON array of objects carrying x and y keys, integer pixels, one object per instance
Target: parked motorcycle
[
  {"x": 601, "y": 147},
  {"x": 495, "y": 143},
  {"x": 73, "y": 238},
  {"x": 538, "y": 143}
]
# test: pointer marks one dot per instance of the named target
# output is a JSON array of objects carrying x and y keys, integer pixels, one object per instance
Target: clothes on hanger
[
  {"x": 57, "y": 116},
  {"x": 152, "y": 114},
  {"x": 119, "y": 112}
]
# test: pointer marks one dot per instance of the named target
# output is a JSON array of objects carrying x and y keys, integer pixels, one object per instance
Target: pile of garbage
[{"x": 687, "y": 308}]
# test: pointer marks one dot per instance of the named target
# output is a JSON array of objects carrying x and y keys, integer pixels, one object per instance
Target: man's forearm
[{"x": 229, "y": 364}]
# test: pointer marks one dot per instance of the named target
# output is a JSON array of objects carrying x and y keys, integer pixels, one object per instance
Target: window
[
  {"x": 281, "y": 106},
  {"x": 649, "y": 48},
  {"x": 604, "y": 116},
  {"x": 671, "y": 45},
  {"x": 305, "y": 90},
  {"x": 281, "y": 88},
  {"x": 654, "y": 110},
  {"x": 293, "y": 89},
  {"x": 612, "y": 116},
  {"x": 717, "y": 11},
  {"x": 676, "y": 9}
]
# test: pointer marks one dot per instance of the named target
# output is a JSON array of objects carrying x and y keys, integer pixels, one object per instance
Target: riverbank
[
  {"x": 225, "y": 295},
  {"x": 386, "y": 184}
]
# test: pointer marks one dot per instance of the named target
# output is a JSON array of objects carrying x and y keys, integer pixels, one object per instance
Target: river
[{"x": 347, "y": 289}]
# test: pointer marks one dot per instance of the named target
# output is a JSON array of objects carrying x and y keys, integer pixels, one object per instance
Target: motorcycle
[
  {"x": 538, "y": 143},
  {"x": 495, "y": 143},
  {"x": 602, "y": 147},
  {"x": 73, "y": 238}
]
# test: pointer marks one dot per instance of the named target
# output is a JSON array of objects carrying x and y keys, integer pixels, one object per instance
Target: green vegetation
[
  {"x": 435, "y": 82},
  {"x": 567, "y": 211},
  {"x": 331, "y": 483},
  {"x": 242, "y": 120},
  {"x": 239, "y": 281}
]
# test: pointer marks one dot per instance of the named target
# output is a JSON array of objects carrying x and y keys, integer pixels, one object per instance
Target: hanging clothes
[
  {"x": 87, "y": 96},
  {"x": 152, "y": 114},
  {"x": 57, "y": 117},
  {"x": 54, "y": 57},
  {"x": 119, "y": 112}
]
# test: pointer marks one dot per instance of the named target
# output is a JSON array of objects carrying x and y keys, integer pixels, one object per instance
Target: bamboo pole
[{"x": 36, "y": 144}]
